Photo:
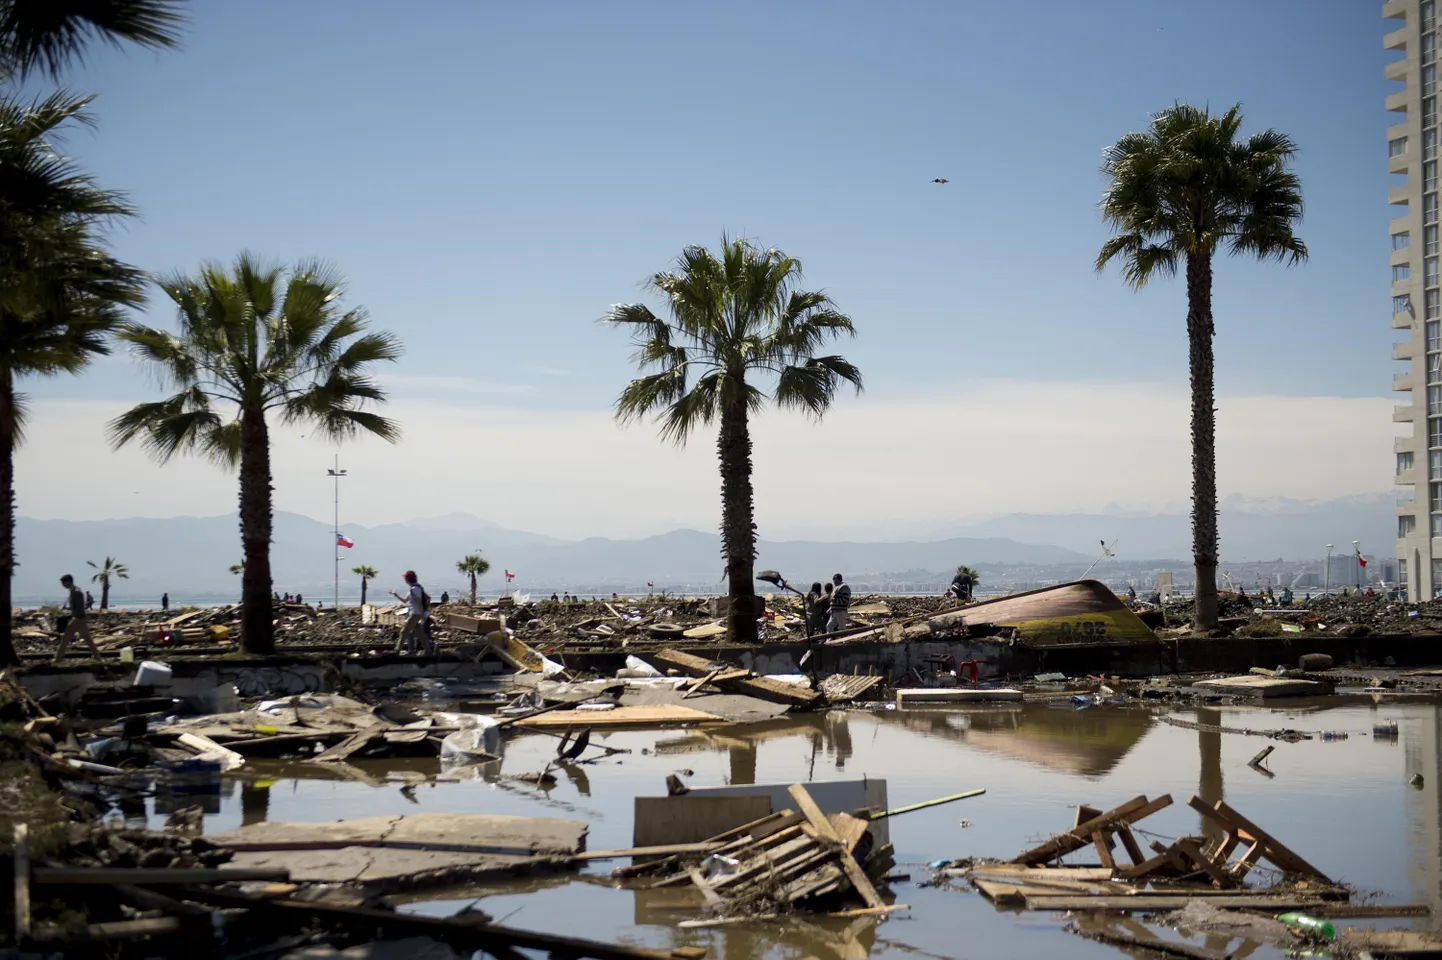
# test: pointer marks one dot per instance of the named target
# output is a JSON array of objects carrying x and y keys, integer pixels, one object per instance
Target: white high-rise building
[{"x": 1416, "y": 294}]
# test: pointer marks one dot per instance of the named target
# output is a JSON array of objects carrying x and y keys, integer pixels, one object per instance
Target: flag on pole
[
  {"x": 510, "y": 576},
  {"x": 1361, "y": 559},
  {"x": 341, "y": 540}
]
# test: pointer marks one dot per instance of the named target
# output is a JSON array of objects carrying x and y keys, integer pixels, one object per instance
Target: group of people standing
[{"x": 826, "y": 607}]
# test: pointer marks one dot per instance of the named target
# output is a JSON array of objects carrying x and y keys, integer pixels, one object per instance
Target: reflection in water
[
  {"x": 254, "y": 801},
  {"x": 814, "y": 935},
  {"x": 1209, "y": 786},
  {"x": 1421, "y": 755},
  {"x": 1089, "y": 742}
]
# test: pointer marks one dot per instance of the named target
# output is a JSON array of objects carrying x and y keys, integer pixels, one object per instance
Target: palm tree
[
  {"x": 965, "y": 582},
  {"x": 61, "y": 293},
  {"x": 107, "y": 571},
  {"x": 366, "y": 574},
  {"x": 737, "y": 318},
  {"x": 48, "y": 34},
  {"x": 256, "y": 345},
  {"x": 238, "y": 568},
  {"x": 1185, "y": 188},
  {"x": 474, "y": 565}
]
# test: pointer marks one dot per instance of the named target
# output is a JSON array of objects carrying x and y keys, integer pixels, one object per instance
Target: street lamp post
[
  {"x": 336, "y": 473},
  {"x": 1327, "y": 572},
  {"x": 1357, "y": 550}
]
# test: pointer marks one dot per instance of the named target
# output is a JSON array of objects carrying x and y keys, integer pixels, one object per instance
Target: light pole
[
  {"x": 336, "y": 473},
  {"x": 1357, "y": 549},
  {"x": 1327, "y": 572}
]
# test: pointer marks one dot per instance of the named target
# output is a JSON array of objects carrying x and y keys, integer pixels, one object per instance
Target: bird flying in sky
[{"x": 941, "y": 180}]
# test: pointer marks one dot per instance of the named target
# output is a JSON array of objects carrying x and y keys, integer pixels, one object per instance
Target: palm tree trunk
[
  {"x": 738, "y": 525},
  {"x": 473, "y": 589},
  {"x": 105, "y": 593},
  {"x": 363, "y": 591},
  {"x": 1204, "y": 435},
  {"x": 7, "y": 515},
  {"x": 257, "y": 631}
]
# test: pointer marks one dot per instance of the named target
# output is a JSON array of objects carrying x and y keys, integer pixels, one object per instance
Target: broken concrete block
[{"x": 1315, "y": 661}]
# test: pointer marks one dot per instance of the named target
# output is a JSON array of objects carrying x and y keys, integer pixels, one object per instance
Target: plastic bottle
[{"x": 1306, "y": 926}]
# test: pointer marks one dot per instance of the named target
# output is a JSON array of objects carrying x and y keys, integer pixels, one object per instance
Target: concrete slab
[
  {"x": 956, "y": 695},
  {"x": 1264, "y": 688}
]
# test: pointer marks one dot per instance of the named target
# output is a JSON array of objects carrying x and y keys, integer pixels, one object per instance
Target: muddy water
[{"x": 1343, "y": 804}]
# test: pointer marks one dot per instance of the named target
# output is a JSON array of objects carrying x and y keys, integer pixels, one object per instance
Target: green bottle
[{"x": 1303, "y": 925}]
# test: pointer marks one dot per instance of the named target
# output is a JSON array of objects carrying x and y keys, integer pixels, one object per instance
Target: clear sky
[{"x": 491, "y": 176}]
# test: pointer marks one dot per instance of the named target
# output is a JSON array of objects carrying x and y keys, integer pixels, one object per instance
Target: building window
[
  {"x": 1397, "y": 147},
  {"x": 1429, "y": 48},
  {"x": 1429, "y": 145},
  {"x": 1434, "y": 335},
  {"x": 1402, "y": 304},
  {"x": 1434, "y": 432},
  {"x": 1430, "y": 302},
  {"x": 1406, "y": 524},
  {"x": 1434, "y": 368},
  {"x": 1402, "y": 575},
  {"x": 1429, "y": 208},
  {"x": 1429, "y": 14},
  {"x": 1434, "y": 401},
  {"x": 1429, "y": 175},
  {"x": 1401, "y": 241},
  {"x": 1434, "y": 465},
  {"x": 1430, "y": 245},
  {"x": 1429, "y": 271},
  {"x": 1429, "y": 111},
  {"x": 1436, "y": 576},
  {"x": 1404, "y": 461},
  {"x": 1429, "y": 80},
  {"x": 1401, "y": 271}
]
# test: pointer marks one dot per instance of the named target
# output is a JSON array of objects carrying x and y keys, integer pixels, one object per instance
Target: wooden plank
[
  {"x": 1038, "y": 873},
  {"x": 649, "y": 716},
  {"x": 850, "y": 829},
  {"x": 690, "y": 819},
  {"x": 145, "y": 876},
  {"x": 666, "y": 850},
  {"x": 1063, "y": 843},
  {"x": 822, "y": 826},
  {"x": 695, "y": 686},
  {"x": 1273, "y": 903},
  {"x": 1103, "y": 842},
  {"x": 352, "y": 744},
  {"x": 1187, "y": 848},
  {"x": 1085, "y": 813},
  {"x": 710, "y": 896},
  {"x": 21, "y": 859},
  {"x": 762, "y": 688},
  {"x": 1134, "y": 849},
  {"x": 114, "y": 930},
  {"x": 1249, "y": 860},
  {"x": 1273, "y": 849}
]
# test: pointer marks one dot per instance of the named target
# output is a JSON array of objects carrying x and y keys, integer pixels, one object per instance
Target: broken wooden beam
[
  {"x": 826, "y": 831},
  {"x": 1081, "y": 835},
  {"x": 1263, "y": 842},
  {"x": 147, "y": 876},
  {"x": 762, "y": 688}
]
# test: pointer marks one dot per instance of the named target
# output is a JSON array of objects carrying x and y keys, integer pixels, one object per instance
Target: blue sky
[{"x": 492, "y": 176}]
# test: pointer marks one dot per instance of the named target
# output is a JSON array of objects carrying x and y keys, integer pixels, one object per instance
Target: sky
[{"x": 492, "y": 177}]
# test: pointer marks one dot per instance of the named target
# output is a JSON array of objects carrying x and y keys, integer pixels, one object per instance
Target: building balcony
[
  {"x": 1402, "y": 194},
  {"x": 1402, "y": 320},
  {"x": 1403, "y": 288},
  {"x": 1402, "y": 351},
  {"x": 1406, "y": 478},
  {"x": 1404, "y": 413},
  {"x": 1400, "y": 256},
  {"x": 1396, "y": 70},
  {"x": 1394, "y": 10},
  {"x": 1403, "y": 129},
  {"x": 1404, "y": 381},
  {"x": 1401, "y": 225},
  {"x": 1398, "y": 101},
  {"x": 1398, "y": 164},
  {"x": 1404, "y": 443},
  {"x": 1397, "y": 39}
]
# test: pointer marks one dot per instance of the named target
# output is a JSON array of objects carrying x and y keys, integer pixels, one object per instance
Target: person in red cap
[{"x": 413, "y": 634}]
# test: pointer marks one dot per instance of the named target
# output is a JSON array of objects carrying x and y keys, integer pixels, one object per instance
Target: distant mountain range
[{"x": 190, "y": 556}]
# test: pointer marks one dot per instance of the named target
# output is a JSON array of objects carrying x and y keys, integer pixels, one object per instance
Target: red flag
[
  {"x": 341, "y": 540},
  {"x": 1361, "y": 559},
  {"x": 510, "y": 576}
]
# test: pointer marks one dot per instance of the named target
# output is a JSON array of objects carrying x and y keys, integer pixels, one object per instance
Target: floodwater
[{"x": 1343, "y": 804}]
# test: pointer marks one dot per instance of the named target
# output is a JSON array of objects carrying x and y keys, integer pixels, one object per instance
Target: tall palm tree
[
  {"x": 48, "y": 34},
  {"x": 1178, "y": 193},
  {"x": 473, "y": 565},
  {"x": 61, "y": 293},
  {"x": 964, "y": 582},
  {"x": 109, "y": 570},
  {"x": 366, "y": 574},
  {"x": 257, "y": 345},
  {"x": 737, "y": 319}
]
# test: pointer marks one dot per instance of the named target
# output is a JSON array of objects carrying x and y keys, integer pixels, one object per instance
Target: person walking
[
  {"x": 413, "y": 633},
  {"x": 165, "y": 603},
  {"x": 79, "y": 624},
  {"x": 840, "y": 603},
  {"x": 817, "y": 606},
  {"x": 89, "y": 601}
]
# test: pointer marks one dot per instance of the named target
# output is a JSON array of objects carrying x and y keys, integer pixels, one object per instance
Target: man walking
[
  {"x": 840, "y": 603},
  {"x": 413, "y": 633},
  {"x": 78, "y": 624},
  {"x": 165, "y": 603}
]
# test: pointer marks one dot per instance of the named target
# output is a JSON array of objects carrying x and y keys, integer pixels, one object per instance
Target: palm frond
[{"x": 49, "y": 34}]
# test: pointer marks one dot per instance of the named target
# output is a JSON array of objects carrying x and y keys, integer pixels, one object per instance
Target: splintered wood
[
  {"x": 1187, "y": 867},
  {"x": 794, "y": 859}
]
